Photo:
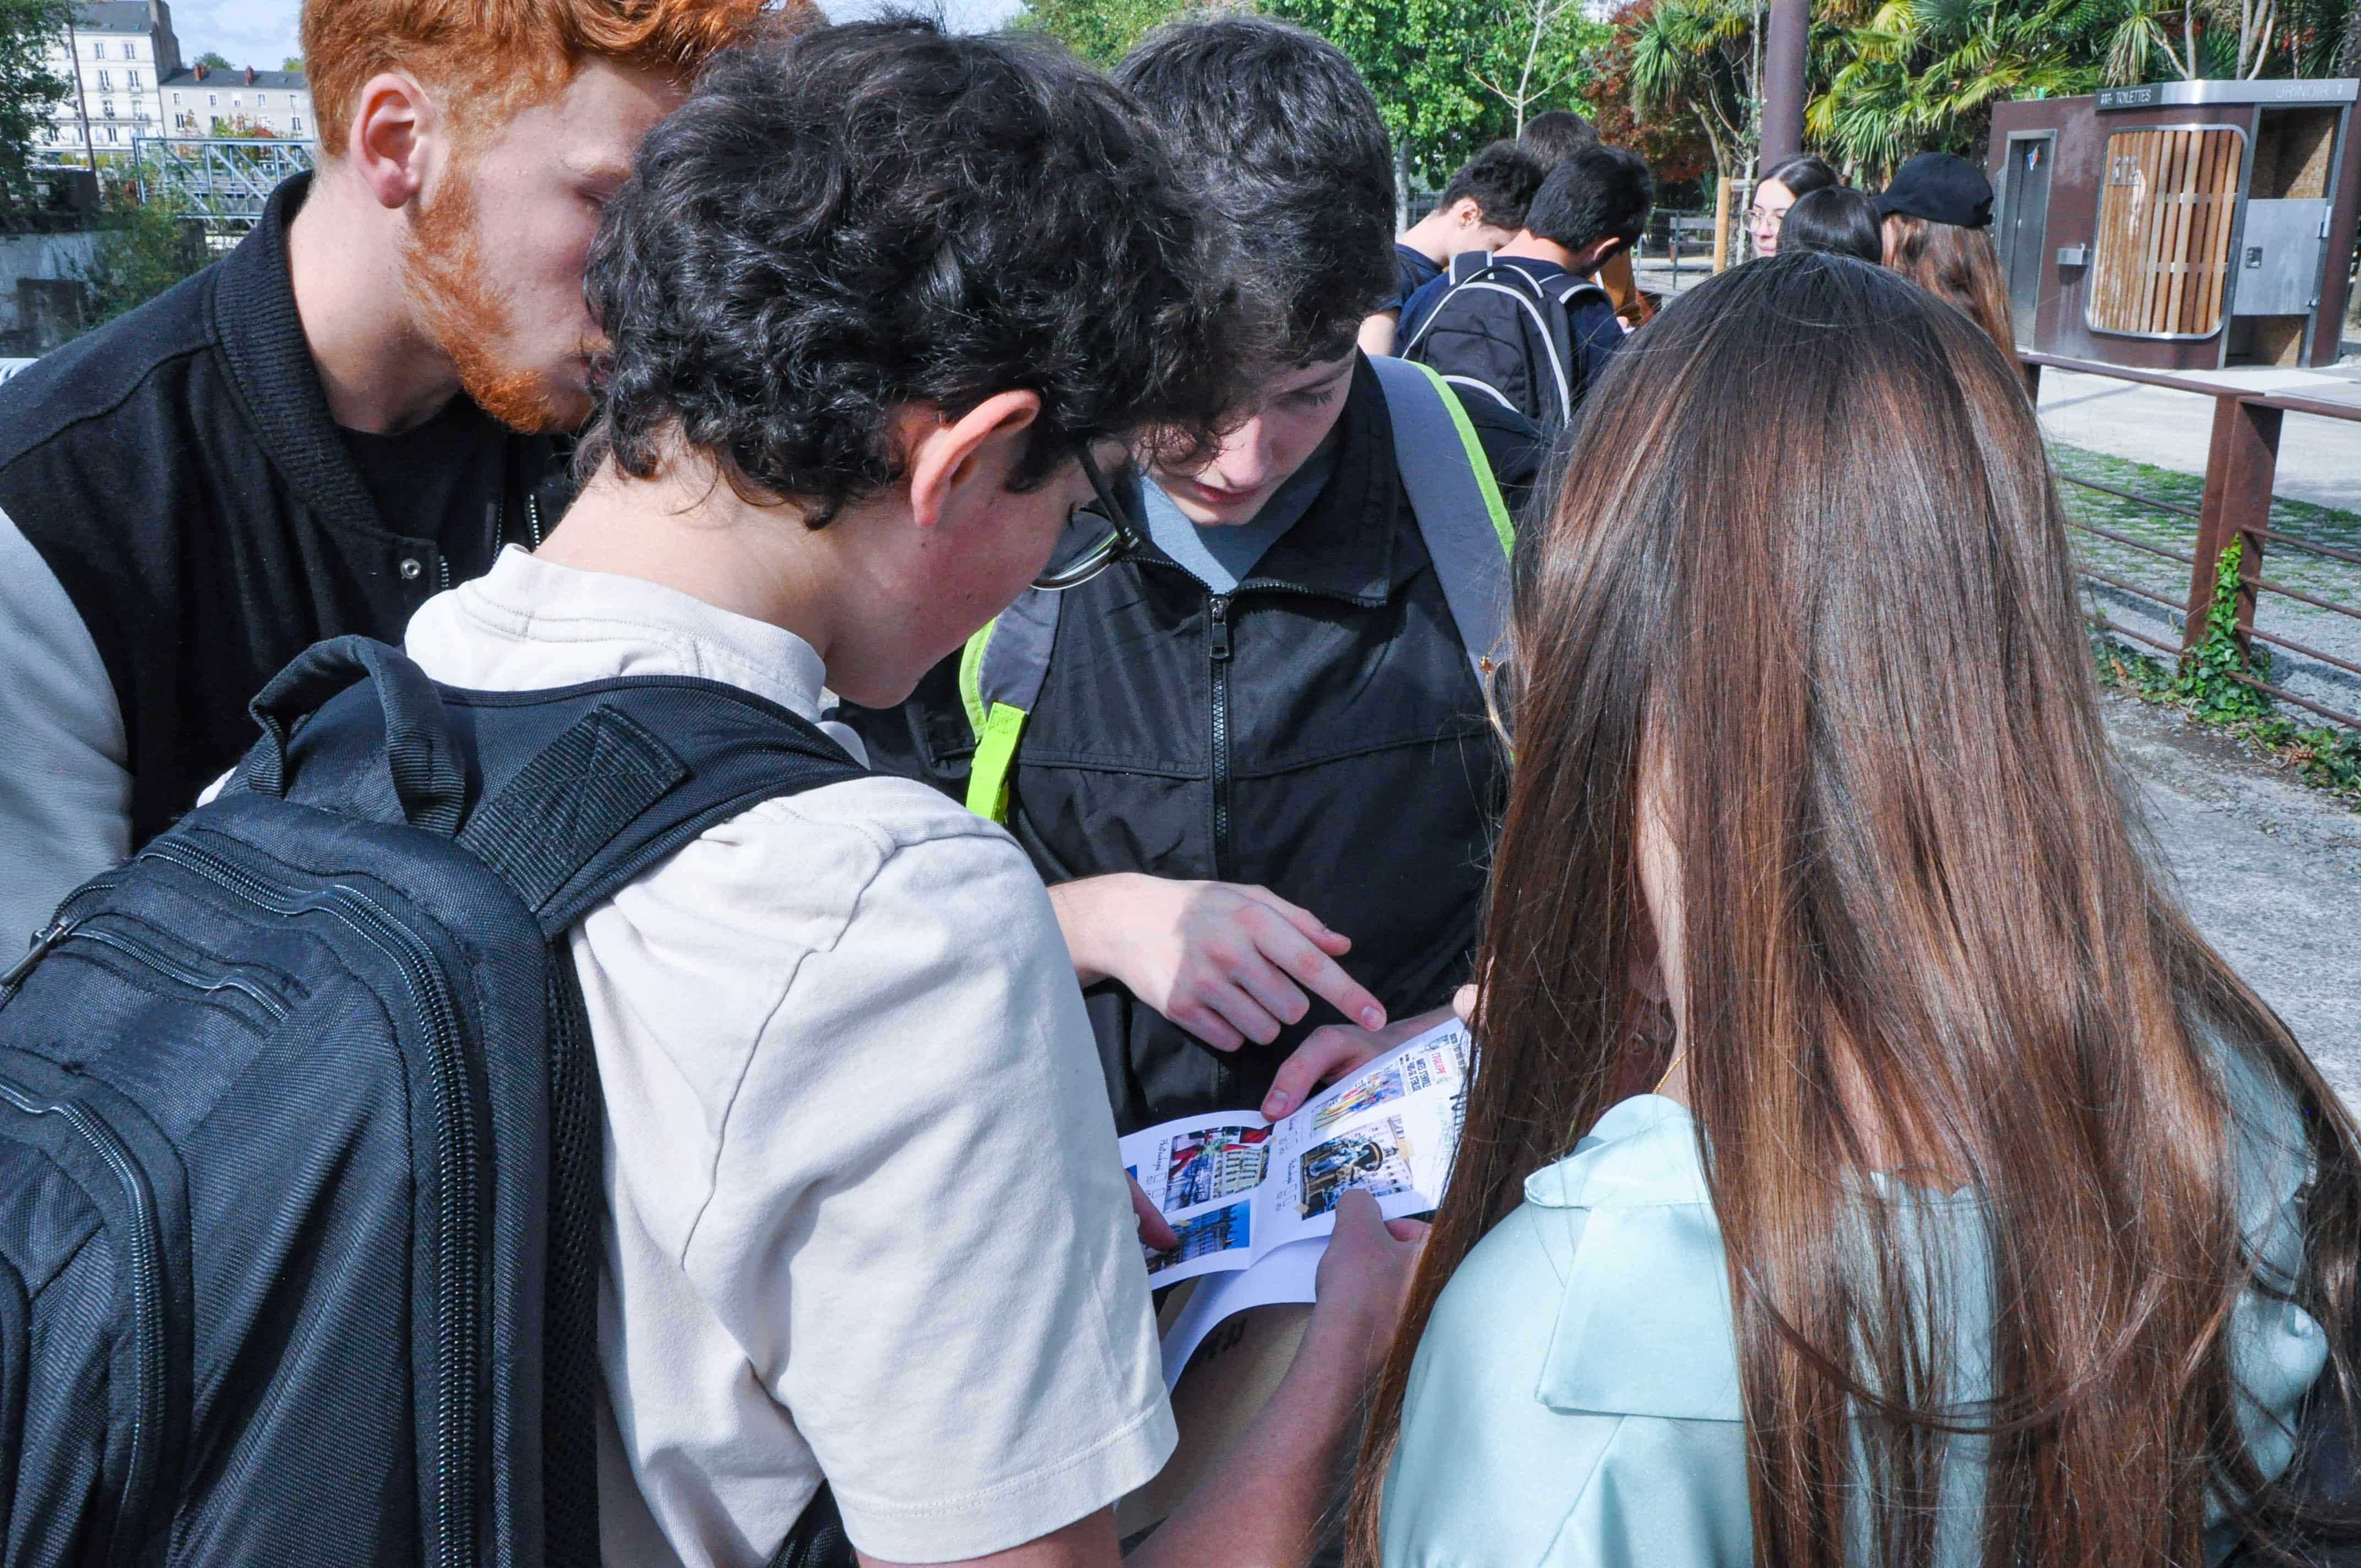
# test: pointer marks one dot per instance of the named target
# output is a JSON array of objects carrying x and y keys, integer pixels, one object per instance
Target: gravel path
[{"x": 2269, "y": 870}]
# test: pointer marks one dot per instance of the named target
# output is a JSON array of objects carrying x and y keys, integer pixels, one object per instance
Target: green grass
[
  {"x": 2328, "y": 758},
  {"x": 2339, "y": 582}
]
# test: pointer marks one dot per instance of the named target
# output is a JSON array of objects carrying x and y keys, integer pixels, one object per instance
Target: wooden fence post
[{"x": 2240, "y": 466}]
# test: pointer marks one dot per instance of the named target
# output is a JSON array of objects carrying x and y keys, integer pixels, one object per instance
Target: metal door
[
  {"x": 2278, "y": 258},
  {"x": 2024, "y": 224}
]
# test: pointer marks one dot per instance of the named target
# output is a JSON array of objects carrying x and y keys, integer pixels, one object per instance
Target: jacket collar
[
  {"x": 1345, "y": 546},
  {"x": 259, "y": 332}
]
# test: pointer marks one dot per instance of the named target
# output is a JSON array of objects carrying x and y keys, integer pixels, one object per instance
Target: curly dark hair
[
  {"x": 860, "y": 218},
  {"x": 1502, "y": 179},
  {"x": 1286, "y": 140}
]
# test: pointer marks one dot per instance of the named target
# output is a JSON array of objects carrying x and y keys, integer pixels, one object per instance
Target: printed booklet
[{"x": 1240, "y": 1190}]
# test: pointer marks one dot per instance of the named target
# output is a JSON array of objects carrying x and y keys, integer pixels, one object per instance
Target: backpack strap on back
[
  {"x": 1000, "y": 674},
  {"x": 1544, "y": 310},
  {"x": 1461, "y": 516}
]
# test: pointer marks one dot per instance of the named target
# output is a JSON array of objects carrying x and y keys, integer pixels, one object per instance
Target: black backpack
[
  {"x": 300, "y": 1131},
  {"x": 1556, "y": 380}
]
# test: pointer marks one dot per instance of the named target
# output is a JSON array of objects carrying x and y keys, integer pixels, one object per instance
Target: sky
[{"x": 262, "y": 33}]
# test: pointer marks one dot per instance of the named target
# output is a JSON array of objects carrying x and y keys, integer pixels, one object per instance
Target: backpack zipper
[
  {"x": 1218, "y": 649},
  {"x": 203, "y": 974},
  {"x": 146, "y": 1288},
  {"x": 458, "y": 1351}
]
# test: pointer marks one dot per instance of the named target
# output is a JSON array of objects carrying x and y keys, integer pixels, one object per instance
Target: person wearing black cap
[{"x": 1937, "y": 216}]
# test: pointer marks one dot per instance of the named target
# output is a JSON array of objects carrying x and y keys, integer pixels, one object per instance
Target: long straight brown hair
[
  {"x": 1954, "y": 264},
  {"x": 1809, "y": 562}
]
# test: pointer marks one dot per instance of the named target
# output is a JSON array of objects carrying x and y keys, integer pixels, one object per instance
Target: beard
[{"x": 469, "y": 320}]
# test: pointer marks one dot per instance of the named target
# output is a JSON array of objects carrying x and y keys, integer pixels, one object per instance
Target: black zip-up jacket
[
  {"x": 178, "y": 472},
  {"x": 1318, "y": 732}
]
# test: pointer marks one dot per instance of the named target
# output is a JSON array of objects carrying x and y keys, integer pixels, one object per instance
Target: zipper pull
[
  {"x": 1219, "y": 630},
  {"x": 43, "y": 942}
]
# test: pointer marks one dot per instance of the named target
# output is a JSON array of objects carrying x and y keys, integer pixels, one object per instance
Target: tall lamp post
[{"x": 1783, "y": 80}]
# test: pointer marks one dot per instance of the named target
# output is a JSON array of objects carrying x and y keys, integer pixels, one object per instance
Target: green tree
[
  {"x": 149, "y": 244},
  {"x": 293, "y": 62},
  {"x": 1697, "y": 61},
  {"x": 211, "y": 61},
  {"x": 1536, "y": 55},
  {"x": 29, "y": 89},
  {"x": 1101, "y": 31}
]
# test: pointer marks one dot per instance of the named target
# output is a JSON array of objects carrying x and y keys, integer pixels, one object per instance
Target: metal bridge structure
[{"x": 221, "y": 182}]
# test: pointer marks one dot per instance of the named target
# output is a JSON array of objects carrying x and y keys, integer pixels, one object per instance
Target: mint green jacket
[{"x": 1574, "y": 1399}]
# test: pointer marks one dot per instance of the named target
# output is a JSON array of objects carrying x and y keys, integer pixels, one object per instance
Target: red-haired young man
[{"x": 351, "y": 411}]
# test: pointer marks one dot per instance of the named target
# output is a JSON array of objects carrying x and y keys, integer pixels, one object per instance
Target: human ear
[
  {"x": 949, "y": 455},
  {"x": 1466, "y": 213},
  {"x": 390, "y": 128}
]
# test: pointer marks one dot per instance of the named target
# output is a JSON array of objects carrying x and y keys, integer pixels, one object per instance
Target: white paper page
[
  {"x": 1287, "y": 1274},
  {"x": 1236, "y": 1186},
  {"x": 1202, "y": 1172},
  {"x": 1391, "y": 1129}
]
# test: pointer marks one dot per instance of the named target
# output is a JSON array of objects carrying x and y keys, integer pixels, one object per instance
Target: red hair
[{"x": 494, "y": 57}]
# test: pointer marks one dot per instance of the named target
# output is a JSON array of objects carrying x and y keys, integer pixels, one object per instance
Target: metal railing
[
  {"x": 2241, "y": 465},
  {"x": 225, "y": 181}
]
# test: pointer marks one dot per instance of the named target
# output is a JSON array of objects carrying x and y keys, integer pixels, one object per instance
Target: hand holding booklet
[{"x": 1254, "y": 1201}]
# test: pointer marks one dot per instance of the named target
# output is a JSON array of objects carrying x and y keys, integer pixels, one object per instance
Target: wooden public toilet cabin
[{"x": 2180, "y": 225}]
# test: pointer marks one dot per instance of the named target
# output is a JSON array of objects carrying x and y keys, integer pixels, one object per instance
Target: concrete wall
[{"x": 53, "y": 260}]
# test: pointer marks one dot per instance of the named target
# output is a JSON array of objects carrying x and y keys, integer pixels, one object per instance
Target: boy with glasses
[
  {"x": 882, "y": 304},
  {"x": 1251, "y": 756}
]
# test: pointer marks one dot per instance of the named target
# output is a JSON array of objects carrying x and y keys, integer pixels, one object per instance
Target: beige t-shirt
[{"x": 867, "y": 1219}]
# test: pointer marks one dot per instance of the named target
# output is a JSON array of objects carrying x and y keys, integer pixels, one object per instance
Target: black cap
[{"x": 1942, "y": 188}]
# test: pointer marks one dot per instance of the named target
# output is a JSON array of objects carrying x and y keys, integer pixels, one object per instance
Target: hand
[
  {"x": 1227, "y": 962},
  {"x": 1365, "y": 1274},
  {"x": 1154, "y": 1230},
  {"x": 1332, "y": 1050}
]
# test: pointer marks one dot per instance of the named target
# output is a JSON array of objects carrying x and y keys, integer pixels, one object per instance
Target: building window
[
  {"x": 176, "y": 100},
  {"x": 295, "y": 125},
  {"x": 106, "y": 82},
  {"x": 110, "y": 133},
  {"x": 213, "y": 100},
  {"x": 131, "y": 80},
  {"x": 106, "y": 108}
]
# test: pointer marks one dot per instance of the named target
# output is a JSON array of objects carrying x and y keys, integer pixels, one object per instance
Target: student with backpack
[
  {"x": 1252, "y": 759},
  {"x": 1482, "y": 208},
  {"x": 553, "y": 1104},
  {"x": 1553, "y": 137},
  {"x": 1532, "y": 329}
]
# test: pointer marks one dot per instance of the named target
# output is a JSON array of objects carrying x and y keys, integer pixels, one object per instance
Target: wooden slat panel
[
  {"x": 2180, "y": 232},
  {"x": 2163, "y": 237},
  {"x": 2202, "y": 273},
  {"x": 2156, "y": 233}
]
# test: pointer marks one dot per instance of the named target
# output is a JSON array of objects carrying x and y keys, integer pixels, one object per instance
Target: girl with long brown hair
[
  {"x": 1937, "y": 220},
  {"x": 1982, "y": 1214}
]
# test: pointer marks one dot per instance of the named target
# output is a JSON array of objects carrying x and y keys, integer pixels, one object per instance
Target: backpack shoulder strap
[
  {"x": 1468, "y": 263},
  {"x": 1001, "y": 671},
  {"x": 1537, "y": 306},
  {"x": 1461, "y": 517},
  {"x": 585, "y": 789}
]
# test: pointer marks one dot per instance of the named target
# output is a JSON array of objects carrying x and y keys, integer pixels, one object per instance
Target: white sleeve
[
  {"x": 916, "y": 1229},
  {"x": 65, "y": 791}
]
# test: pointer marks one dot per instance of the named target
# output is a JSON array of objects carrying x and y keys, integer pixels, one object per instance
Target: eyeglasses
[
  {"x": 1086, "y": 548},
  {"x": 1762, "y": 217}
]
